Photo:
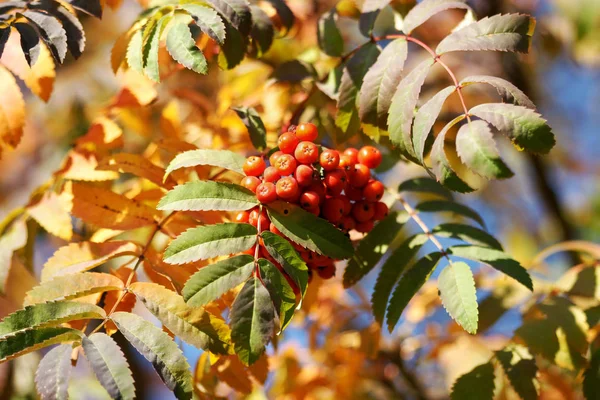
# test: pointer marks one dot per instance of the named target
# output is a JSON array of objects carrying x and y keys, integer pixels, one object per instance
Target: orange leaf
[
  {"x": 230, "y": 370},
  {"x": 83, "y": 256},
  {"x": 52, "y": 215},
  {"x": 260, "y": 369},
  {"x": 13, "y": 239},
  {"x": 127, "y": 302},
  {"x": 12, "y": 109},
  {"x": 138, "y": 91},
  {"x": 106, "y": 209},
  {"x": 81, "y": 166},
  {"x": 137, "y": 165},
  {"x": 104, "y": 133},
  {"x": 177, "y": 274}
]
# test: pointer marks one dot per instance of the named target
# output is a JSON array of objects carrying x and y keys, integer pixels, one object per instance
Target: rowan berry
[
  {"x": 274, "y": 157},
  {"x": 306, "y": 152},
  {"x": 285, "y": 164},
  {"x": 287, "y": 188},
  {"x": 347, "y": 223},
  {"x": 271, "y": 174},
  {"x": 307, "y": 131},
  {"x": 347, "y": 204},
  {"x": 242, "y": 217},
  {"x": 287, "y": 142},
  {"x": 353, "y": 194},
  {"x": 326, "y": 271},
  {"x": 329, "y": 159},
  {"x": 266, "y": 192},
  {"x": 346, "y": 162},
  {"x": 333, "y": 209},
  {"x": 373, "y": 191},
  {"x": 315, "y": 211},
  {"x": 363, "y": 211},
  {"x": 381, "y": 211},
  {"x": 359, "y": 175},
  {"x": 352, "y": 155},
  {"x": 251, "y": 182},
  {"x": 255, "y": 216},
  {"x": 254, "y": 166},
  {"x": 275, "y": 230},
  {"x": 304, "y": 174},
  {"x": 319, "y": 188},
  {"x": 309, "y": 200},
  {"x": 364, "y": 227},
  {"x": 369, "y": 156},
  {"x": 335, "y": 181}
]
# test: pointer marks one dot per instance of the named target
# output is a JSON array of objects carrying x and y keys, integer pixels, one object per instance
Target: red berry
[
  {"x": 360, "y": 175},
  {"x": 287, "y": 142},
  {"x": 315, "y": 211},
  {"x": 369, "y": 156},
  {"x": 285, "y": 164},
  {"x": 373, "y": 191},
  {"x": 346, "y": 162},
  {"x": 274, "y": 157},
  {"x": 254, "y": 166},
  {"x": 251, "y": 182},
  {"x": 352, "y": 155},
  {"x": 309, "y": 200},
  {"x": 271, "y": 174},
  {"x": 326, "y": 271},
  {"x": 306, "y": 152},
  {"x": 242, "y": 217},
  {"x": 287, "y": 188},
  {"x": 347, "y": 223},
  {"x": 266, "y": 192},
  {"x": 307, "y": 132},
  {"x": 364, "y": 227},
  {"x": 335, "y": 181},
  {"x": 347, "y": 204},
  {"x": 275, "y": 230},
  {"x": 354, "y": 194},
  {"x": 333, "y": 209},
  {"x": 329, "y": 159},
  {"x": 254, "y": 218},
  {"x": 381, "y": 211},
  {"x": 363, "y": 211},
  {"x": 319, "y": 188},
  {"x": 304, "y": 174}
]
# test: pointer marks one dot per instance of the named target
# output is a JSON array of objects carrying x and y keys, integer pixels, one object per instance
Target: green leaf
[
  {"x": 476, "y": 148},
  {"x": 210, "y": 241},
  {"x": 459, "y": 296},
  {"x": 409, "y": 285},
  {"x": 369, "y": 13},
  {"x": 510, "y": 32},
  {"x": 91, "y": 7},
  {"x": 158, "y": 348},
  {"x": 353, "y": 74},
  {"x": 216, "y": 158},
  {"x": 591, "y": 377},
  {"x": 281, "y": 292},
  {"x": 424, "y": 185},
  {"x": 47, "y": 314},
  {"x": 208, "y": 20},
  {"x": 391, "y": 270},
  {"x": 109, "y": 365},
  {"x": 496, "y": 259},
  {"x": 51, "y": 31},
  {"x": 441, "y": 165},
  {"x": 427, "y": 9},
  {"x": 151, "y": 46},
  {"x": 134, "y": 51},
  {"x": 294, "y": 71},
  {"x": 30, "y": 42},
  {"x": 194, "y": 325},
  {"x": 402, "y": 109},
  {"x": 4, "y": 34},
  {"x": 255, "y": 125},
  {"x": 33, "y": 339},
  {"x": 310, "y": 231},
  {"x": 216, "y": 279},
  {"x": 329, "y": 36},
  {"x": 53, "y": 372},
  {"x": 467, "y": 233},
  {"x": 286, "y": 256},
  {"x": 73, "y": 285},
  {"x": 232, "y": 51},
  {"x": 380, "y": 82},
  {"x": 284, "y": 12},
  {"x": 509, "y": 92},
  {"x": 70, "y": 23},
  {"x": 425, "y": 119},
  {"x": 521, "y": 370},
  {"x": 182, "y": 47},
  {"x": 478, "y": 384},
  {"x": 373, "y": 246},
  {"x": 450, "y": 206},
  {"x": 262, "y": 30},
  {"x": 252, "y": 321},
  {"x": 525, "y": 127},
  {"x": 208, "y": 196},
  {"x": 236, "y": 12}
]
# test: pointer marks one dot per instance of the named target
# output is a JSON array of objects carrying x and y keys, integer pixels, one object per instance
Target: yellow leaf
[
  {"x": 106, "y": 209},
  {"x": 12, "y": 109},
  {"x": 170, "y": 120},
  {"x": 51, "y": 214},
  {"x": 138, "y": 91},
  {"x": 104, "y": 133},
  {"x": 119, "y": 50},
  {"x": 137, "y": 165},
  {"x": 40, "y": 76},
  {"x": 126, "y": 303},
  {"x": 83, "y": 256},
  {"x": 81, "y": 166},
  {"x": 14, "y": 238},
  {"x": 230, "y": 370}
]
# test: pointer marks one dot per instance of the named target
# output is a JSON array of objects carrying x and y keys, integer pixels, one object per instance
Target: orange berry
[
  {"x": 254, "y": 166},
  {"x": 309, "y": 200},
  {"x": 333, "y": 209},
  {"x": 274, "y": 157},
  {"x": 360, "y": 175},
  {"x": 352, "y": 155},
  {"x": 287, "y": 188},
  {"x": 329, "y": 159},
  {"x": 251, "y": 183},
  {"x": 373, "y": 191},
  {"x": 242, "y": 217},
  {"x": 271, "y": 174},
  {"x": 266, "y": 192},
  {"x": 307, "y": 131},
  {"x": 369, "y": 156},
  {"x": 285, "y": 164},
  {"x": 304, "y": 174},
  {"x": 363, "y": 211},
  {"x": 306, "y": 152},
  {"x": 381, "y": 211},
  {"x": 364, "y": 227},
  {"x": 287, "y": 142}
]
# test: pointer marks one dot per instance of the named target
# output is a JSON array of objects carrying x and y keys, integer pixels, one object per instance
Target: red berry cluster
[{"x": 332, "y": 185}]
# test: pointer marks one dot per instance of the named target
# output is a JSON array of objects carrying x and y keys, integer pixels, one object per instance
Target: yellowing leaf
[
  {"x": 51, "y": 214},
  {"x": 106, "y": 209},
  {"x": 83, "y": 256},
  {"x": 12, "y": 109},
  {"x": 81, "y": 166},
  {"x": 103, "y": 133},
  {"x": 119, "y": 50},
  {"x": 137, "y": 165},
  {"x": 126, "y": 303}
]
